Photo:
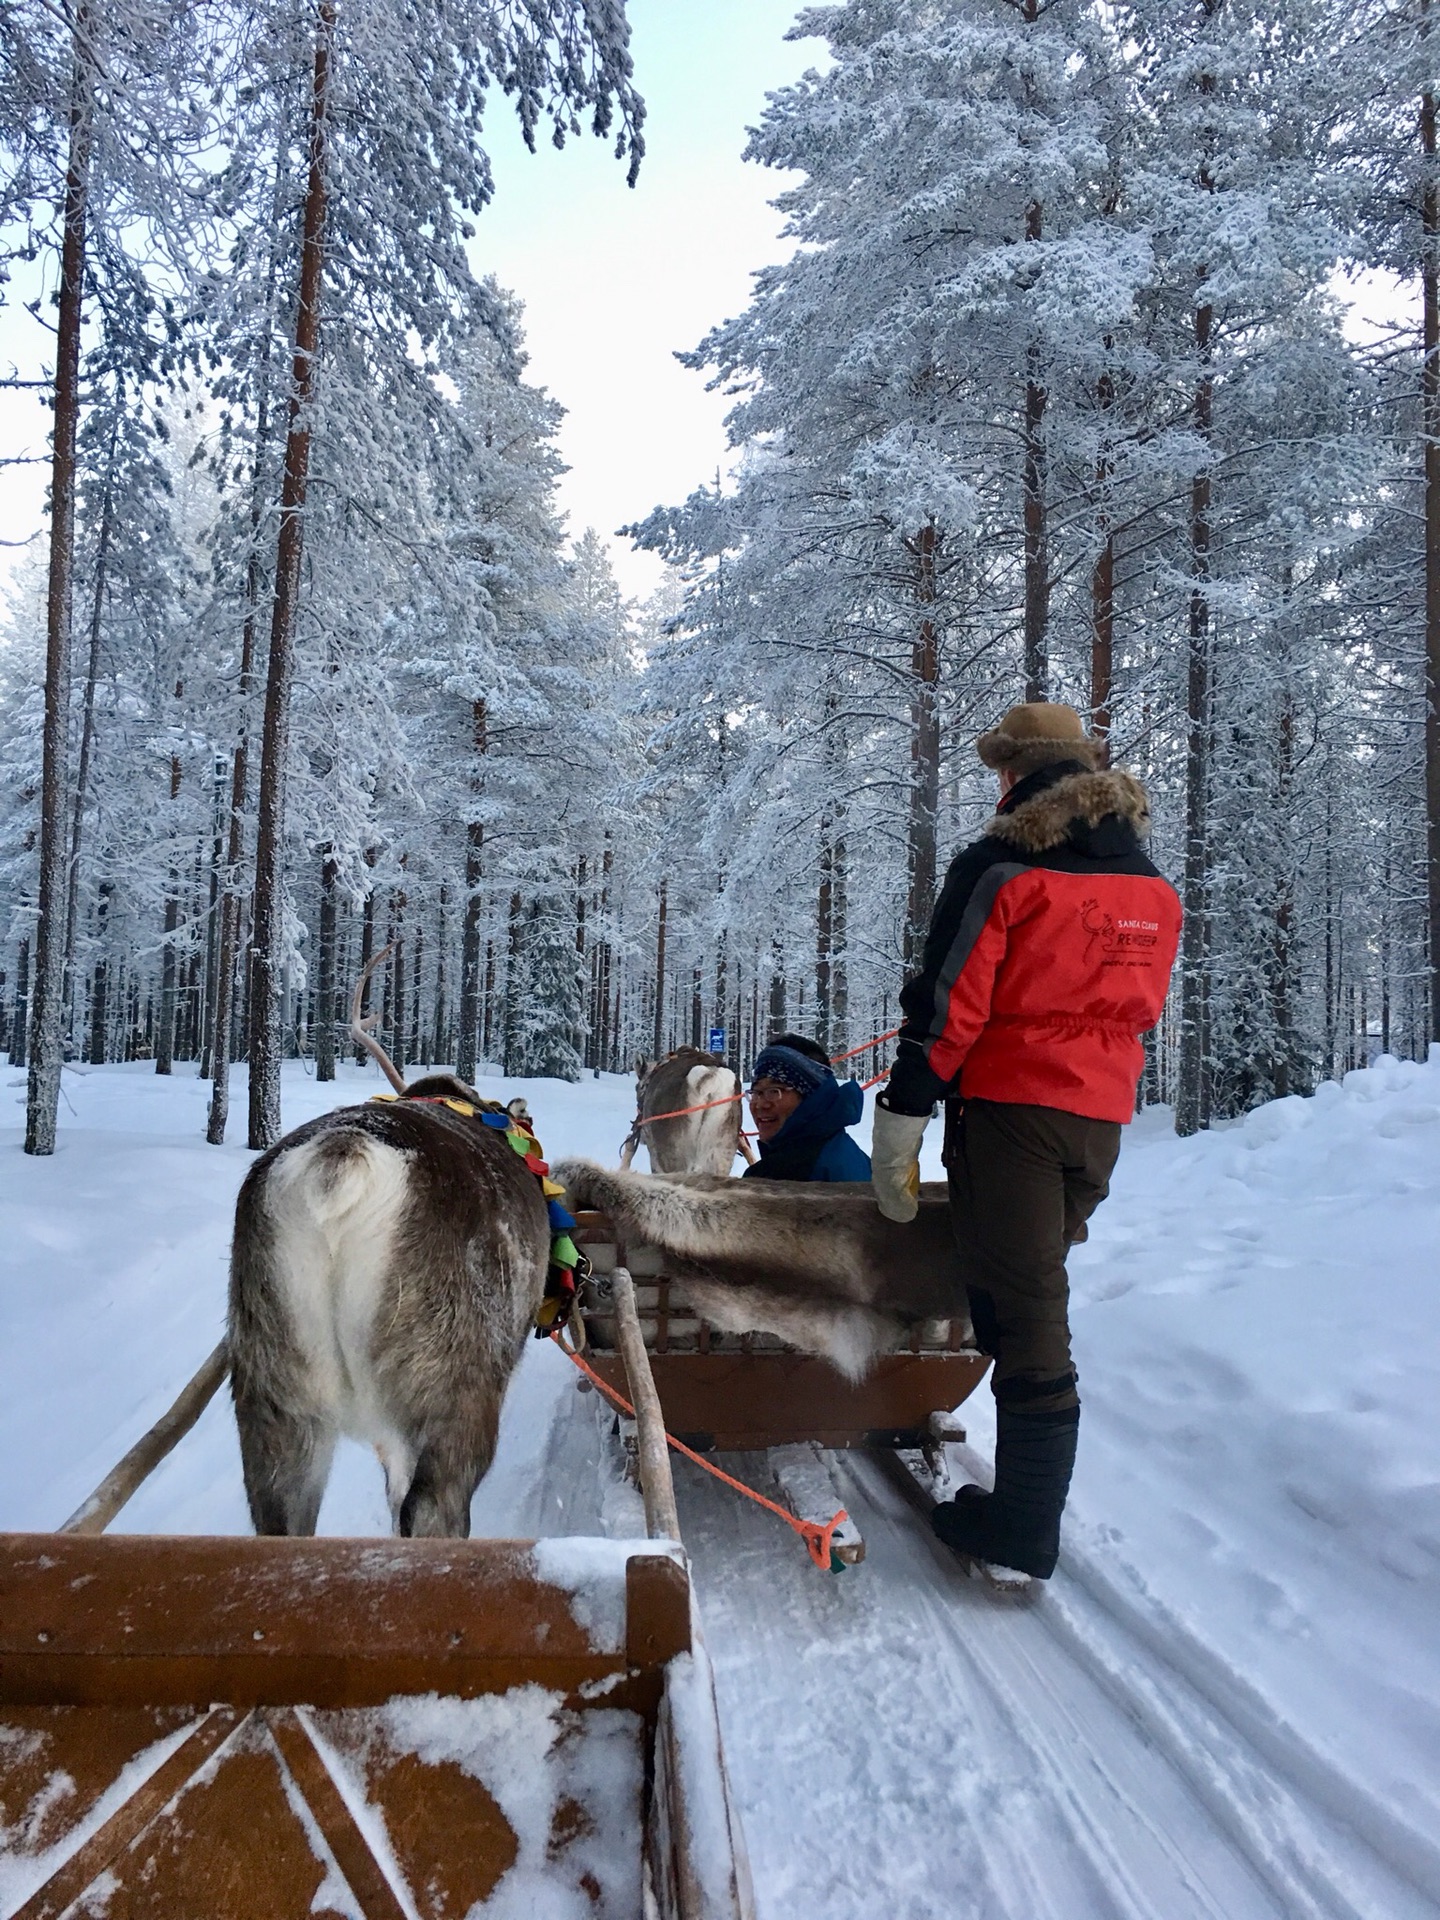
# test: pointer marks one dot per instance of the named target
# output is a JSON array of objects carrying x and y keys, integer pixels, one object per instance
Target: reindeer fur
[
  {"x": 699, "y": 1142},
  {"x": 387, "y": 1265},
  {"x": 818, "y": 1264}
]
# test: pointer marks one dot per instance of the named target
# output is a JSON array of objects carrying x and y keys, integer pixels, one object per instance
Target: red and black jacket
[{"x": 1048, "y": 956}]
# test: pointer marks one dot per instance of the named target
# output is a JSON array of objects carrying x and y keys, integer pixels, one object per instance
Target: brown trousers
[{"x": 1023, "y": 1182}]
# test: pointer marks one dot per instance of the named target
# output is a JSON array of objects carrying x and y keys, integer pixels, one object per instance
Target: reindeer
[
  {"x": 387, "y": 1265},
  {"x": 704, "y": 1142}
]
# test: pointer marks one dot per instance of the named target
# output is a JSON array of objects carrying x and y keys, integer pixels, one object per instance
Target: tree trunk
[
  {"x": 325, "y": 972},
  {"x": 165, "y": 1041},
  {"x": 839, "y": 914},
  {"x": 99, "y": 998},
  {"x": 20, "y": 1017},
  {"x": 487, "y": 1008},
  {"x": 439, "y": 1046},
  {"x": 607, "y": 1057},
  {"x": 1430, "y": 428},
  {"x": 1036, "y": 518},
  {"x": 395, "y": 1038},
  {"x": 417, "y": 976},
  {"x": 367, "y": 947},
  {"x": 824, "y": 935},
  {"x": 924, "y": 747},
  {"x": 1102, "y": 592},
  {"x": 87, "y": 720},
  {"x": 42, "y": 1104},
  {"x": 777, "y": 988},
  {"x": 1191, "y": 1112},
  {"x": 470, "y": 938},
  {"x": 658, "y": 1052},
  {"x": 212, "y": 927},
  {"x": 510, "y": 1036},
  {"x": 265, "y": 950}
]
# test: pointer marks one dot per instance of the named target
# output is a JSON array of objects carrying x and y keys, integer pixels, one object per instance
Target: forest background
[{"x": 1065, "y": 390}]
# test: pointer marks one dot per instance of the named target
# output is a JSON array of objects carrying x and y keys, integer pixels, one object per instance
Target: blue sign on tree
[{"x": 717, "y": 1039}]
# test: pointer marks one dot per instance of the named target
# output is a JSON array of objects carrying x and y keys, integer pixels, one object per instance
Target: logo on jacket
[{"x": 1117, "y": 939}]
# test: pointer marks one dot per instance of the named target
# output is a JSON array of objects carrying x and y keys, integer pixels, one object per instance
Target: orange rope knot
[{"x": 818, "y": 1535}]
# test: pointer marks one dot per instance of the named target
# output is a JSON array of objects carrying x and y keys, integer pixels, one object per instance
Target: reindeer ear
[{"x": 642, "y": 1066}]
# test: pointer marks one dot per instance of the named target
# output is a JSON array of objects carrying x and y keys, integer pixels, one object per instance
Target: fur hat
[{"x": 1037, "y": 735}]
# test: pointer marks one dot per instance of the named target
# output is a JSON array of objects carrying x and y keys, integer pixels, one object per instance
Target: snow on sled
[
  {"x": 235, "y": 1727},
  {"x": 285, "y": 1727},
  {"x": 782, "y": 1316}
]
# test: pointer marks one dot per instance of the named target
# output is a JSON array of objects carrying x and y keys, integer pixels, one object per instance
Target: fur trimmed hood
[{"x": 1045, "y": 821}]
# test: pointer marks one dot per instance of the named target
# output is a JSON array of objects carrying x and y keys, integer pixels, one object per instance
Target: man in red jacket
[{"x": 1048, "y": 956}]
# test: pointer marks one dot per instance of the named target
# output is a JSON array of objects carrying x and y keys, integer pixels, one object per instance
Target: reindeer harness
[{"x": 566, "y": 1260}]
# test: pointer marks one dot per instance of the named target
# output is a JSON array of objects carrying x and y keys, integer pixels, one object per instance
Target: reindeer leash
[{"x": 818, "y": 1535}]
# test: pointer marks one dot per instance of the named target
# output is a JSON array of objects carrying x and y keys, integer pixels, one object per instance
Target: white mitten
[{"x": 895, "y": 1162}]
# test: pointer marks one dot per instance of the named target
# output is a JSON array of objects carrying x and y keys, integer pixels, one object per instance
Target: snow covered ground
[{"x": 1227, "y": 1702}]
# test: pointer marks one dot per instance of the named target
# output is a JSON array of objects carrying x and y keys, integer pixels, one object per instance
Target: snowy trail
[
  {"x": 1226, "y": 1705},
  {"x": 957, "y": 1755}
]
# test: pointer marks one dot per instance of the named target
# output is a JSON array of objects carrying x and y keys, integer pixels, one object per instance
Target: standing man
[{"x": 1048, "y": 956}]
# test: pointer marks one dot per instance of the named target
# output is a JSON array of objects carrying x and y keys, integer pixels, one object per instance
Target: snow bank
[{"x": 1257, "y": 1326}]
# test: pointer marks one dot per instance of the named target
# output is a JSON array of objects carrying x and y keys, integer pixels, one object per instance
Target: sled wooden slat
[
  {"x": 738, "y": 1402},
  {"x": 140, "y": 1620}
]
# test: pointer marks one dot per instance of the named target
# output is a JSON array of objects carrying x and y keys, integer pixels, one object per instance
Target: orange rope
[
  {"x": 816, "y": 1534},
  {"x": 680, "y": 1112},
  {"x": 879, "y": 1040}
]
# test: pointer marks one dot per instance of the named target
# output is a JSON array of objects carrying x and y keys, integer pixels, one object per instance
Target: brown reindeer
[
  {"x": 387, "y": 1265},
  {"x": 704, "y": 1142}
]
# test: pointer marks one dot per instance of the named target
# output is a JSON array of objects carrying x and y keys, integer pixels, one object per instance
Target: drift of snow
[{"x": 1227, "y": 1702}]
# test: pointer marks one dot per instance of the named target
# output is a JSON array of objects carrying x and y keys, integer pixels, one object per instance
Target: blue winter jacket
[{"x": 813, "y": 1143}]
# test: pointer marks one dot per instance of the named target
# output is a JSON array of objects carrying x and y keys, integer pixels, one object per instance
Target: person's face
[
  {"x": 771, "y": 1105},
  {"x": 1007, "y": 780}
]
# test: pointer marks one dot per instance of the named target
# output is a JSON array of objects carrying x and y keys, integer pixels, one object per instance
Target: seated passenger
[{"x": 801, "y": 1112}]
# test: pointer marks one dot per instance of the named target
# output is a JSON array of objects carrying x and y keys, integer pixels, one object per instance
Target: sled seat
[
  {"x": 237, "y": 1727},
  {"x": 729, "y": 1392}
]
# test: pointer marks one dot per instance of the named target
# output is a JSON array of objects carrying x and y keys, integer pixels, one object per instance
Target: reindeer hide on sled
[{"x": 816, "y": 1264}]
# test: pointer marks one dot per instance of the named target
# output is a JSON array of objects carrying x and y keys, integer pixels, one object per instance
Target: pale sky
[{"x": 614, "y": 280}]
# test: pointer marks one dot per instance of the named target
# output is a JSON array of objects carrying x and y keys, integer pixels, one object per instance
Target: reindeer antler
[{"x": 360, "y": 1028}]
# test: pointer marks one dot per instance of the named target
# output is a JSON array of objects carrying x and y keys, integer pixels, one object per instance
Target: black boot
[{"x": 1018, "y": 1525}]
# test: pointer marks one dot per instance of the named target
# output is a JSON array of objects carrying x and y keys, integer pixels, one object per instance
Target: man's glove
[{"x": 895, "y": 1162}]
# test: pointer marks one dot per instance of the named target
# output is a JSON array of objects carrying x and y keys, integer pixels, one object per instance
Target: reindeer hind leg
[
  {"x": 286, "y": 1457},
  {"x": 450, "y": 1467}
]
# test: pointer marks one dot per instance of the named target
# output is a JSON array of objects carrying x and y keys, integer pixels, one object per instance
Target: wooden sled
[
  {"x": 737, "y": 1392},
  {"x": 231, "y": 1728},
  {"x": 727, "y": 1392}
]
